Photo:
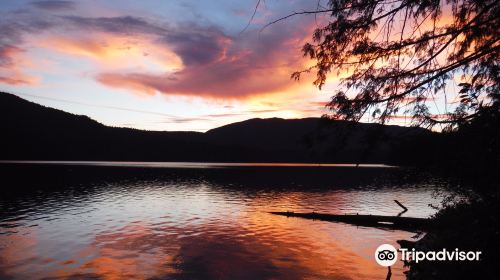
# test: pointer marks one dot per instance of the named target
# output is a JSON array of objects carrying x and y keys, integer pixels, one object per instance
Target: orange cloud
[
  {"x": 18, "y": 79},
  {"x": 85, "y": 47},
  {"x": 218, "y": 67},
  {"x": 111, "y": 51},
  {"x": 11, "y": 58},
  {"x": 215, "y": 81}
]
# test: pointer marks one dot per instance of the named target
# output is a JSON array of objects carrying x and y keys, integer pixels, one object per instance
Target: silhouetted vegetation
[
  {"x": 469, "y": 226},
  {"x": 470, "y": 157},
  {"x": 470, "y": 154},
  {"x": 401, "y": 55},
  {"x": 34, "y": 132}
]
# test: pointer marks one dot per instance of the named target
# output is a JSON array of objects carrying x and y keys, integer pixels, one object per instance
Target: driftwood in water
[
  {"x": 402, "y": 206},
  {"x": 392, "y": 222}
]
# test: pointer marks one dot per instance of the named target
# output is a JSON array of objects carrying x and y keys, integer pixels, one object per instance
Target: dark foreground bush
[{"x": 473, "y": 226}]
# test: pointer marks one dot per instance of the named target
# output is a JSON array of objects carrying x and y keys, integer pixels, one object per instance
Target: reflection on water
[
  {"x": 189, "y": 164},
  {"x": 197, "y": 225}
]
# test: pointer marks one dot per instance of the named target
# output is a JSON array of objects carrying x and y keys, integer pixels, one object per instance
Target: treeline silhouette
[{"x": 34, "y": 132}]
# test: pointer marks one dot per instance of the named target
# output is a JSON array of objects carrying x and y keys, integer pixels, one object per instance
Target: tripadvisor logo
[{"x": 387, "y": 255}]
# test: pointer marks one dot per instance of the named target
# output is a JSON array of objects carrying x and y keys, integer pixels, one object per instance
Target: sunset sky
[{"x": 160, "y": 65}]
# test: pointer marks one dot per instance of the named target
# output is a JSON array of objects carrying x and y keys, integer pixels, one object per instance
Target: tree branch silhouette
[{"x": 399, "y": 50}]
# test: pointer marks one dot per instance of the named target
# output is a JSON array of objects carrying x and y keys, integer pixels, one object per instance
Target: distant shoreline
[{"x": 189, "y": 164}]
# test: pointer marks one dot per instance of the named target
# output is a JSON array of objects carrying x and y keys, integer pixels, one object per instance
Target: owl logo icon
[{"x": 386, "y": 255}]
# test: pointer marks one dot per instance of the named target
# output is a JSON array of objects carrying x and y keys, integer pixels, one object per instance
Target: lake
[{"x": 95, "y": 220}]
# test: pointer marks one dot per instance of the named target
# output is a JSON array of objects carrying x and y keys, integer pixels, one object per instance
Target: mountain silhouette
[{"x": 35, "y": 132}]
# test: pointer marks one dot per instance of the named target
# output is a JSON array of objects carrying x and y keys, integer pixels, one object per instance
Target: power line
[{"x": 95, "y": 105}]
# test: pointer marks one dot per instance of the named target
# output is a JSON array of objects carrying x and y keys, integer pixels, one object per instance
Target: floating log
[
  {"x": 401, "y": 205},
  {"x": 392, "y": 222}
]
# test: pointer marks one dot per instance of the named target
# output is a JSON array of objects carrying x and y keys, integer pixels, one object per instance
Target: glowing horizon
[
  {"x": 181, "y": 65},
  {"x": 155, "y": 65}
]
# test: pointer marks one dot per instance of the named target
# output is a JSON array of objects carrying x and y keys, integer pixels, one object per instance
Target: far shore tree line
[{"x": 402, "y": 58}]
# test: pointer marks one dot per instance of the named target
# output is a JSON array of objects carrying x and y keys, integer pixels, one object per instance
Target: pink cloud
[
  {"x": 194, "y": 60},
  {"x": 221, "y": 67},
  {"x": 9, "y": 72}
]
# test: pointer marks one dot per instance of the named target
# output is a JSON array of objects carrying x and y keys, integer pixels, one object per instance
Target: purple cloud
[{"x": 53, "y": 5}]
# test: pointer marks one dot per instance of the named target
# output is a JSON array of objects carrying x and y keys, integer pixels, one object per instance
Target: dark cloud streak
[
  {"x": 53, "y": 5},
  {"x": 196, "y": 45},
  {"x": 117, "y": 25}
]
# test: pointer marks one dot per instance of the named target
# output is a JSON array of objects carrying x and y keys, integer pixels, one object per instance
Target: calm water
[{"x": 76, "y": 222}]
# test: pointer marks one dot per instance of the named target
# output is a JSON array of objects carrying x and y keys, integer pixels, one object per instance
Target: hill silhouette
[{"x": 35, "y": 132}]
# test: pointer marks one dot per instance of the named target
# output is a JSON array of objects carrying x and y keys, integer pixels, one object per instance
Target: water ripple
[{"x": 200, "y": 228}]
